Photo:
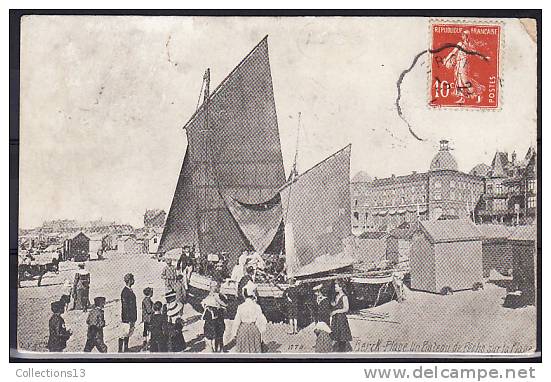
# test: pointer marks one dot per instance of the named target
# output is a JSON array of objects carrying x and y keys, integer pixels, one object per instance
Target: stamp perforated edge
[{"x": 501, "y": 23}]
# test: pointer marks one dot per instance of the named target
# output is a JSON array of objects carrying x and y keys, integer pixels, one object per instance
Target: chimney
[
  {"x": 414, "y": 172},
  {"x": 444, "y": 145},
  {"x": 514, "y": 157}
]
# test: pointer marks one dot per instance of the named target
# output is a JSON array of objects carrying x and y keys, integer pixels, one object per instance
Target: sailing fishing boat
[{"x": 232, "y": 194}]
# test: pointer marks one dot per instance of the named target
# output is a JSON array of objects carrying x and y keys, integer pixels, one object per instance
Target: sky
[{"x": 104, "y": 100}]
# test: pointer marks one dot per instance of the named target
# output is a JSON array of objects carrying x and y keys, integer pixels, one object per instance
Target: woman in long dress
[
  {"x": 322, "y": 328},
  {"x": 249, "y": 323},
  {"x": 340, "y": 330},
  {"x": 81, "y": 289}
]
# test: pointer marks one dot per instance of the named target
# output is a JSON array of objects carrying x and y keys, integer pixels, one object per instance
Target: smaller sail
[
  {"x": 259, "y": 223},
  {"x": 316, "y": 212}
]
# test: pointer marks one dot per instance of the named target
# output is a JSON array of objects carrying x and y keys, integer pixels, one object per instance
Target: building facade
[
  {"x": 510, "y": 190},
  {"x": 384, "y": 204}
]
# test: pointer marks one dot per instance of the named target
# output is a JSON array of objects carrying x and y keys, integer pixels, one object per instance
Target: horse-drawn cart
[{"x": 35, "y": 266}]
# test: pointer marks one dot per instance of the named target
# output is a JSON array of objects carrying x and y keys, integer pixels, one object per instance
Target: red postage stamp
[{"x": 465, "y": 65}]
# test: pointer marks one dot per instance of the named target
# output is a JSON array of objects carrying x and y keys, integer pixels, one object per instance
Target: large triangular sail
[
  {"x": 234, "y": 150},
  {"x": 180, "y": 228}
]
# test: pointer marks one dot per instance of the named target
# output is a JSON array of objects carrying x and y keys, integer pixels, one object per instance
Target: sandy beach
[{"x": 466, "y": 322}]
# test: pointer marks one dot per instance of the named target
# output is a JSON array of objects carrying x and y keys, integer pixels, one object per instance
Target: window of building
[
  {"x": 489, "y": 188},
  {"x": 423, "y": 198},
  {"x": 154, "y": 240},
  {"x": 356, "y": 203},
  {"x": 437, "y": 195},
  {"x": 499, "y": 189},
  {"x": 531, "y": 202},
  {"x": 356, "y": 216},
  {"x": 500, "y": 204},
  {"x": 532, "y": 185},
  {"x": 403, "y": 200}
]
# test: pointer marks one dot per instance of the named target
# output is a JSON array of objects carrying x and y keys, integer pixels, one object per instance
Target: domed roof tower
[
  {"x": 361, "y": 177},
  {"x": 443, "y": 160}
]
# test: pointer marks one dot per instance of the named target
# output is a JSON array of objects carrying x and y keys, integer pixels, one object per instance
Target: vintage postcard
[{"x": 311, "y": 187}]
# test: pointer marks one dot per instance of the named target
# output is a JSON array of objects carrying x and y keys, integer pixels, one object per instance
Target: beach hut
[
  {"x": 399, "y": 242},
  {"x": 77, "y": 247},
  {"x": 153, "y": 240},
  {"x": 446, "y": 256},
  {"x": 96, "y": 243},
  {"x": 497, "y": 251},
  {"x": 368, "y": 248},
  {"x": 129, "y": 245},
  {"x": 523, "y": 246}
]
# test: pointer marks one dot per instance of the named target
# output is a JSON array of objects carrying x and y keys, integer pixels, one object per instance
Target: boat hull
[
  {"x": 367, "y": 292},
  {"x": 270, "y": 297}
]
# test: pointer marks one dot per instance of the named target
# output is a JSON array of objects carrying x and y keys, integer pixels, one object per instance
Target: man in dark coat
[
  {"x": 58, "y": 333},
  {"x": 96, "y": 323},
  {"x": 129, "y": 313}
]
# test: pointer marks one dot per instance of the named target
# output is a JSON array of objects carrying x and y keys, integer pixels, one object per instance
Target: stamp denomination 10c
[{"x": 465, "y": 65}]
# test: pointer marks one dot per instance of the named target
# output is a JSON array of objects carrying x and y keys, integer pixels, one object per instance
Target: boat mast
[{"x": 205, "y": 166}]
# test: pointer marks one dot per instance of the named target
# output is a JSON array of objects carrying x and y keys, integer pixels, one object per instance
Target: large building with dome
[{"x": 381, "y": 204}]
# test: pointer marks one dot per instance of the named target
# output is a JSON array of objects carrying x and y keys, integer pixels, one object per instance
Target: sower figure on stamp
[
  {"x": 59, "y": 335},
  {"x": 96, "y": 323},
  {"x": 465, "y": 85},
  {"x": 129, "y": 313}
]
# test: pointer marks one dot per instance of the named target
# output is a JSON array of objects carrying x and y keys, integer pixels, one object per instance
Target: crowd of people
[{"x": 163, "y": 324}]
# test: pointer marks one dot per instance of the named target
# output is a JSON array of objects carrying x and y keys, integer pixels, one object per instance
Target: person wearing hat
[
  {"x": 174, "y": 307},
  {"x": 322, "y": 328},
  {"x": 96, "y": 323},
  {"x": 180, "y": 289},
  {"x": 238, "y": 270},
  {"x": 57, "y": 341},
  {"x": 159, "y": 329},
  {"x": 248, "y": 277},
  {"x": 81, "y": 289},
  {"x": 129, "y": 311},
  {"x": 176, "y": 342},
  {"x": 184, "y": 262},
  {"x": 340, "y": 330},
  {"x": 290, "y": 296},
  {"x": 249, "y": 323},
  {"x": 213, "y": 315},
  {"x": 169, "y": 274}
]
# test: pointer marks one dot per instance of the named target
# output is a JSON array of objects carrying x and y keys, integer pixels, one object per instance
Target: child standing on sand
[
  {"x": 147, "y": 312},
  {"x": 213, "y": 314}
]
